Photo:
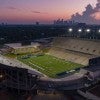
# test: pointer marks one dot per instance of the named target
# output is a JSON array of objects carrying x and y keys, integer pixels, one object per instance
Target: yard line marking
[{"x": 36, "y": 65}]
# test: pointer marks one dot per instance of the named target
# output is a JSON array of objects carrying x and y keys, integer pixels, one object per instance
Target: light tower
[
  {"x": 70, "y": 29},
  {"x": 79, "y": 30},
  {"x": 88, "y": 30}
]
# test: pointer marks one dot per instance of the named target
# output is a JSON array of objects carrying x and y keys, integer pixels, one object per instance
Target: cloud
[
  {"x": 89, "y": 16},
  {"x": 12, "y": 8},
  {"x": 38, "y": 12}
]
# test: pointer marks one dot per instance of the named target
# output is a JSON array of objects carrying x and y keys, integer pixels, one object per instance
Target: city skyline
[{"x": 45, "y": 11}]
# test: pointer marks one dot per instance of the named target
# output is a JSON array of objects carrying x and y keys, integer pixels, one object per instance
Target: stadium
[{"x": 50, "y": 64}]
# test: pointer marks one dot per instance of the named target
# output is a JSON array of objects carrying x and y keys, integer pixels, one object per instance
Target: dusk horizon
[{"x": 46, "y": 11}]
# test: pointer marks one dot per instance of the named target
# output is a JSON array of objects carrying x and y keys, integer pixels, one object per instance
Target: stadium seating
[{"x": 75, "y": 50}]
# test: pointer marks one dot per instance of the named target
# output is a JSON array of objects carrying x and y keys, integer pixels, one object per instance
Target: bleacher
[{"x": 75, "y": 50}]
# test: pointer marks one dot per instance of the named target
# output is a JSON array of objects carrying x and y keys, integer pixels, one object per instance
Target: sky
[{"x": 44, "y": 11}]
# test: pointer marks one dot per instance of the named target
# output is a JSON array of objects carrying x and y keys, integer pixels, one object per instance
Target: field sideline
[{"x": 48, "y": 64}]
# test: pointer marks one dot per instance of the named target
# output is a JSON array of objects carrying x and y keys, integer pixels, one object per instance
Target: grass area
[
  {"x": 10, "y": 55},
  {"x": 49, "y": 65}
]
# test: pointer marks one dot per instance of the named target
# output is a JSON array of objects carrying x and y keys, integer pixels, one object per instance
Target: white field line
[{"x": 36, "y": 65}]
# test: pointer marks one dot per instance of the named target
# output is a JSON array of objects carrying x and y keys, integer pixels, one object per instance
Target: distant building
[
  {"x": 67, "y": 22},
  {"x": 37, "y": 23},
  {"x": 81, "y": 24},
  {"x": 62, "y": 22},
  {"x": 2, "y": 24}
]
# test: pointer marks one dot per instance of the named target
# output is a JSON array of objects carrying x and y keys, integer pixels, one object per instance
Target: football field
[{"x": 48, "y": 64}]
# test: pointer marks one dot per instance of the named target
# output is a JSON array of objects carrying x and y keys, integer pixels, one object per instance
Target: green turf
[
  {"x": 49, "y": 65},
  {"x": 10, "y": 55}
]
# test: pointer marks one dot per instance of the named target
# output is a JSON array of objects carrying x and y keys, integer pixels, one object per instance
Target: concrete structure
[
  {"x": 82, "y": 78},
  {"x": 18, "y": 48},
  {"x": 92, "y": 93}
]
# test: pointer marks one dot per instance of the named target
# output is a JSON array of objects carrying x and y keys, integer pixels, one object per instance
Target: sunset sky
[{"x": 44, "y": 11}]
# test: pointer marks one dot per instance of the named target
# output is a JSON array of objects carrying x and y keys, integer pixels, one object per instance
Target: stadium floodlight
[
  {"x": 88, "y": 30},
  {"x": 99, "y": 30},
  {"x": 70, "y": 29},
  {"x": 79, "y": 30}
]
